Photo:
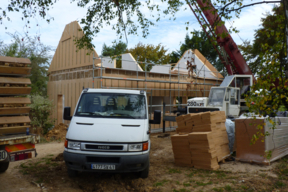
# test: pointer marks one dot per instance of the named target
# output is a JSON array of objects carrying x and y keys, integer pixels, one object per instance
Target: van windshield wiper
[
  {"x": 92, "y": 113},
  {"x": 126, "y": 115}
]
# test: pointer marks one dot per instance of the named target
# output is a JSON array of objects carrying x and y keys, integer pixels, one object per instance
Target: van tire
[
  {"x": 4, "y": 166},
  {"x": 72, "y": 173},
  {"x": 145, "y": 173}
]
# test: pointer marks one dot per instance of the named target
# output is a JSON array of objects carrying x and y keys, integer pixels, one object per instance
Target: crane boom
[{"x": 236, "y": 59}]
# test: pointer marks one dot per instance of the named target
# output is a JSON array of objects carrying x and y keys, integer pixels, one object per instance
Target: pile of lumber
[
  {"x": 206, "y": 136},
  {"x": 14, "y": 87}
]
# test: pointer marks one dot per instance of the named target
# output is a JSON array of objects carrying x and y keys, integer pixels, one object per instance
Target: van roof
[{"x": 114, "y": 91}]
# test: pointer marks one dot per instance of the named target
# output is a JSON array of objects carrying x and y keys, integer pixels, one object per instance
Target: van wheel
[
  {"x": 4, "y": 166},
  {"x": 72, "y": 173},
  {"x": 144, "y": 174}
]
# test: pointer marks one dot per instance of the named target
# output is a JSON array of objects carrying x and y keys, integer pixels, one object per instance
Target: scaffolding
[{"x": 100, "y": 69}]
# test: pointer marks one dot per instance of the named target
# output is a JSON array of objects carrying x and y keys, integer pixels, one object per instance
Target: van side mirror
[
  {"x": 157, "y": 117},
  {"x": 67, "y": 113}
]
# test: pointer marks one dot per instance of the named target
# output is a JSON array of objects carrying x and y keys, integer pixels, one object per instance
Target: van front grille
[
  {"x": 103, "y": 159},
  {"x": 104, "y": 147}
]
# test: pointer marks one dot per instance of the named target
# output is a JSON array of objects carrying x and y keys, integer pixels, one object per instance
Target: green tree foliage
[
  {"x": 270, "y": 91},
  {"x": 39, "y": 55},
  {"x": 155, "y": 54},
  {"x": 271, "y": 32},
  {"x": 200, "y": 41},
  {"x": 41, "y": 108},
  {"x": 126, "y": 17},
  {"x": 114, "y": 50}
]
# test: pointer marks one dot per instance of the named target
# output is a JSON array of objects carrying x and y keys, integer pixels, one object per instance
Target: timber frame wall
[{"x": 66, "y": 86}]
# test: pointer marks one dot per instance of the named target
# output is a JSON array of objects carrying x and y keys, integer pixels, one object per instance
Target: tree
[
  {"x": 39, "y": 55},
  {"x": 271, "y": 31},
  {"x": 270, "y": 91},
  {"x": 114, "y": 50},
  {"x": 200, "y": 41},
  {"x": 149, "y": 54},
  {"x": 129, "y": 15}
]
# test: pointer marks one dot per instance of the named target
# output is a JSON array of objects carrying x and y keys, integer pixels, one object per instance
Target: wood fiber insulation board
[
  {"x": 244, "y": 130},
  {"x": 14, "y": 90},
  {"x": 15, "y": 80},
  {"x": 14, "y": 110},
  {"x": 15, "y": 70},
  {"x": 13, "y": 130},
  {"x": 14, "y": 100},
  {"x": 14, "y": 120},
  {"x": 5, "y": 59}
]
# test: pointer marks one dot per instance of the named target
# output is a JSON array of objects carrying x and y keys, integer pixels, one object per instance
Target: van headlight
[
  {"x": 135, "y": 147},
  {"x": 138, "y": 147},
  {"x": 74, "y": 145}
]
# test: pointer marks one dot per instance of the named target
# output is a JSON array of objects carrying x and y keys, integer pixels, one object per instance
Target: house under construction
[{"x": 72, "y": 70}]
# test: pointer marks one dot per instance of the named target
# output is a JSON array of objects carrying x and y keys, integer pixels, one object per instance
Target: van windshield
[{"x": 112, "y": 105}]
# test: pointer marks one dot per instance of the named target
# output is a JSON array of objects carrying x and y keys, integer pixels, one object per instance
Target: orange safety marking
[
  {"x": 19, "y": 147},
  {"x": 28, "y": 145}
]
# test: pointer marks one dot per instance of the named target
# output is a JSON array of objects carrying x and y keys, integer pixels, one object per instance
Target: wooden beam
[
  {"x": 11, "y": 130},
  {"x": 15, "y": 80},
  {"x": 14, "y": 100},
  {"x": 14, "y": 110},
  {"x": 14, "y": 120},
  {"x": 15, "y": 70},
  {"x": 14, "y": 60},
  {"x": 14, "y": 90}
]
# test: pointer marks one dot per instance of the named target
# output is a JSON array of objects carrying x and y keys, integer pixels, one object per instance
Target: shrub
[{"x": 40, "y": 113}]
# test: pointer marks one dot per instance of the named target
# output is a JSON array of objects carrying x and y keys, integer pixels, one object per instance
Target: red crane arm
[{"x": 227, "y": 42}]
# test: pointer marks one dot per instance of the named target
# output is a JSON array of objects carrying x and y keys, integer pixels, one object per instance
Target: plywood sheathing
[{"x": 67, "y": 54}]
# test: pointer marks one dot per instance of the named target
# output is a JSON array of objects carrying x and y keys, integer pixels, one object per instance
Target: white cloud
[{"x": 169, "y": 33}]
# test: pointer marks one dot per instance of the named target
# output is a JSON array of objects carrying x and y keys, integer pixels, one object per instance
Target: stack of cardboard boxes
[{"x": 206, "y": 136}]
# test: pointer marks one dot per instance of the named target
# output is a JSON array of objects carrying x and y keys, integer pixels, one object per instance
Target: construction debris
[
  {"x": 58, "y": 132},
  {"x": 205, "y": 136}
]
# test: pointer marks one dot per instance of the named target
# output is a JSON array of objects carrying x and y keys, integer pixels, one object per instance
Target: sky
[{"x": 167, "y": 32}]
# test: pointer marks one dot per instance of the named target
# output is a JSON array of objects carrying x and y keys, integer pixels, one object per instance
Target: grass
[
  {"x": 218, "y": 189},
  {"x": 180, "y": 190},
  {"x": 228, "y": 188},
  {"x": 160, "y": 183},
  {"x": 174, "y": 171},
  {"x": 203, "y": 184}
]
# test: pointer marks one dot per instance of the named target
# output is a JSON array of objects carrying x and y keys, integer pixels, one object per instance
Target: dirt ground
[{"x": 47, "y": 172}]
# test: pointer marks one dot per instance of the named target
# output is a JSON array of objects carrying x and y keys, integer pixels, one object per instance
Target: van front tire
[
  {"x": 4, "y": 166},
  {"x": 145, "y": 173}
]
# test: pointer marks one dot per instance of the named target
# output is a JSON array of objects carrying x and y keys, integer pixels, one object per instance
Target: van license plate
[{"x": 103, "y": 167}]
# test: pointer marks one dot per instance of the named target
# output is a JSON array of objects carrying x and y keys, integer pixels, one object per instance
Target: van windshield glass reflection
[{"x": 111, "y": 105}]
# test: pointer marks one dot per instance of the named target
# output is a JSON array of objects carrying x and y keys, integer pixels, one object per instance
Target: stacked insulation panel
[
  {"x": 14, "y": 86},
  {"x": 207, "y": 138},
  {"x": 181, "y": 150}
]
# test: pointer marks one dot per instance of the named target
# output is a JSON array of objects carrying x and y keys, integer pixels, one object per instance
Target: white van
[{"x": 109, "y": 132}]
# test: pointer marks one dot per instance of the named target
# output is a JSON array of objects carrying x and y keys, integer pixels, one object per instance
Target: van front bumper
[{"x": 123, "y": 163}]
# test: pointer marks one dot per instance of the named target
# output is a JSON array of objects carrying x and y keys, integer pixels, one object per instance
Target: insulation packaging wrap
[
  {"x": 276, "y": 142},
  {"x": 230, "y": 128}
]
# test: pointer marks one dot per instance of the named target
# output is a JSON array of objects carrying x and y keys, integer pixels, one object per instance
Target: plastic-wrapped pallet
[{"x": 276, "y": 142}]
